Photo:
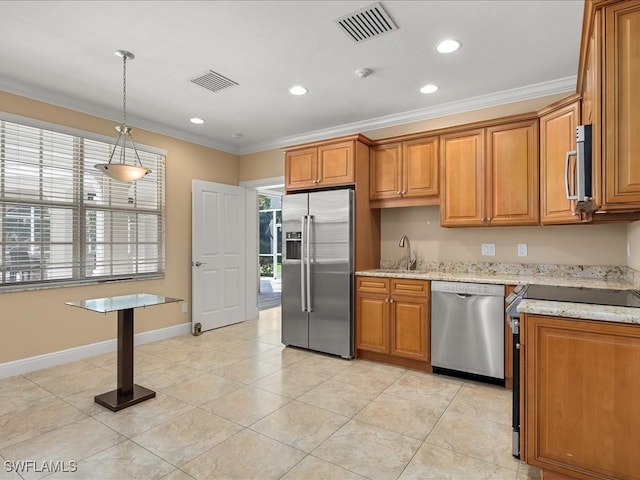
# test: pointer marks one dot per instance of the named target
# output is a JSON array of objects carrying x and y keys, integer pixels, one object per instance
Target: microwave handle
[{"x": 570, "y": 154}]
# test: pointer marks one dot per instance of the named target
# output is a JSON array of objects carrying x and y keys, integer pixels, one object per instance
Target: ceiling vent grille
[
  {"x": 366, "y": 23},
  {"x": 213, "y": 81}
]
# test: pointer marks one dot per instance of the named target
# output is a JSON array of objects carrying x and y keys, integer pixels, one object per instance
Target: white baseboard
[{"x": 25, "y": 365}]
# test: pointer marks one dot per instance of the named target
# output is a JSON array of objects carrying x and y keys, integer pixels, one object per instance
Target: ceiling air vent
[
  {"x": 213, "y": 81},
  {"x": 366, "y": 23}
]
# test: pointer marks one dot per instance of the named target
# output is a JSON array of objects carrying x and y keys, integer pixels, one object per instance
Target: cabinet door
[
  {"x": 582, "y": 390},
  {"x": 420, "y": 168},
  {"x": 301, "y": 169},
  {"x": 409, "y": 322},
  {"x": 463, "y": 186},
  {"x": 386, "y": 175},
  {"x": 621, "y": 111},
  {"x": 372, "y": 322},
  {"x": 512, "y": 173},
  {"x": 335, "y": 164},
  {"x": 557, "y": 137}
]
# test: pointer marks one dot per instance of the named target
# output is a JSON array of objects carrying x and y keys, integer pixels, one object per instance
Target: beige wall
[
  {"x": 567, "y": 244},
  {"x": 466, "y": 117},
  {"x": 255, "y": 166},
  {"x": 633, "y": 237},
  {"x": 37, "y": 322}
]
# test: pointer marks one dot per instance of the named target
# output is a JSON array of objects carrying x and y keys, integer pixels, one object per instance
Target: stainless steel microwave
[{"x": 578, "y": 174}]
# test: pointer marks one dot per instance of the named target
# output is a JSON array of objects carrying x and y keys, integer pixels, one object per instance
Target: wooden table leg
[{"x": 127, "y": 393}]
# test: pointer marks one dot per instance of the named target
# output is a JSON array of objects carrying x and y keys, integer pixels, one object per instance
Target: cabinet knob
[
  {"x": 398, "y": 192},
  {"x": 386, "y": 300},
  {"x": 391, "y": 300},
  {"x": 403, "y": 192}
]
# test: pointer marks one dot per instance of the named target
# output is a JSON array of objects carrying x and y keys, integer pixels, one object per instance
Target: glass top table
[
  {"x": 113, "y": 304},
  {"x": 127, "y": 393}
]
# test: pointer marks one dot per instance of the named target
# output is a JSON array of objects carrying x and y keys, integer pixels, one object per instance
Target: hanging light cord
[{"x": 124, "y": 130}]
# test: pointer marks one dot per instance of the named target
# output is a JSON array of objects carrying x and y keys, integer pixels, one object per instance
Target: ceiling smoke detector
[
  {"x": 366, "y": 23},
  {"x": 363, "y": 72}
]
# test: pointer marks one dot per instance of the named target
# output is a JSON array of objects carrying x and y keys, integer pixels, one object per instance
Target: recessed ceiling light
[
  {"x": 430, "y": 88},
  {"x": 298, "y": 90},
  {"x": 448, "y": 46},
  {"x": 196, "y": 120}
]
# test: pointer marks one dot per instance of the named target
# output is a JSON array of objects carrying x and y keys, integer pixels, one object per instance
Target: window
[{"x": 63, "y": 221}]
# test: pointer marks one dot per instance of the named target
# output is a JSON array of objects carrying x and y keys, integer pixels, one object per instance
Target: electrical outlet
[
  {"x": 185, "y": 307},
  {"x": 489, "y": 249},
  {"x": 522, "y": 249}
]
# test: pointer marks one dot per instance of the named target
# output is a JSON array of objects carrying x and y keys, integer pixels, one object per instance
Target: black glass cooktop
[{"x": 597, "y": 296}]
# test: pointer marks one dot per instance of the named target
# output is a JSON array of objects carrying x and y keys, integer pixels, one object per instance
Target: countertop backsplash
[{"x": 610, "y": 273}]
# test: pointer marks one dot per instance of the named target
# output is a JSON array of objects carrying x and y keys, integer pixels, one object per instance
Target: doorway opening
[{"x": 270, "y": 247}]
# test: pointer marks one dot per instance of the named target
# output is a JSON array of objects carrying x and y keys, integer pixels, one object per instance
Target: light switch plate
[
  {"x": 522, "y": 250},
  {"x": 489, "y": 249},
  {"x": 185, "y": 307}
]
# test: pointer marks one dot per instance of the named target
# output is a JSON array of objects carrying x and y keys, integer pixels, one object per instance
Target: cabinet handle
[
  {"x": 398, "y": 192},
  {"x": 391, "y": 300},
  {"x": 386, "y": 300},
  {"x": 488, "y": 219},
  {"x": 403, "y": 192},
  {"x": 317, "y": 180}
]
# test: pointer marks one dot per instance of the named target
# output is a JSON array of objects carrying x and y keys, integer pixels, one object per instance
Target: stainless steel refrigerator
[{"x": 317, "y": 271}]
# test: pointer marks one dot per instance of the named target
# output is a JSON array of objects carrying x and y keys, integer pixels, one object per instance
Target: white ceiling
[{"x": 62, "y": 52}]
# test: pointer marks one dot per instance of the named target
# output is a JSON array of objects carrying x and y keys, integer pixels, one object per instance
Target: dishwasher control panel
[{"x": 468, "y": 288}]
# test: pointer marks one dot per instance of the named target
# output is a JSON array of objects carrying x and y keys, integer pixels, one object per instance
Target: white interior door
[{"x": 218, "y": 254}]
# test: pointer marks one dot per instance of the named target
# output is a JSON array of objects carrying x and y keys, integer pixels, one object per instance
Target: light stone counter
[
  {"x": 583, "y": 311},
  {"x": 615, "y": 283}
]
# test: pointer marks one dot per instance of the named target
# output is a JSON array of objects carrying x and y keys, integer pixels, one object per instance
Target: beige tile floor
[{"x": 234, "y": 403}]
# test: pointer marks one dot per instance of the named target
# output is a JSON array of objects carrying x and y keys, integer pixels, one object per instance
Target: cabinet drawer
[
  {"x": 372, "y": 284},
  {"x": 401, "y": 286}
]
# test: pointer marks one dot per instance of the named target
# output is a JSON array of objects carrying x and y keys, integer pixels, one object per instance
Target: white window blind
[{"x": 63, "y": 221}]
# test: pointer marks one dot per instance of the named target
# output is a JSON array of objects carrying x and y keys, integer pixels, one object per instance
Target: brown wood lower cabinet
[
  {"x": 582, "y": 387},
  {"x": 392, "y": 321}
]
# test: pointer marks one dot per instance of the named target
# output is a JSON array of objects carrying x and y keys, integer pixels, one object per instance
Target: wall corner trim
[{"x": 25, "y": 365}]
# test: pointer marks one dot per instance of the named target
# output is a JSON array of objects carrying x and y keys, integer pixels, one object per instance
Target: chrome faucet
[{"x": 410, "y": 260}]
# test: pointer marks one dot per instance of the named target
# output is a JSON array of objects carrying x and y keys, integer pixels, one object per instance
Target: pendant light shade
[{"x": 120, "y": 170}]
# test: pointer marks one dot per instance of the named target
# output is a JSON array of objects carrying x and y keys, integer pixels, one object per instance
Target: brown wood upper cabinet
[
  {"x": 404, "y": 173},
  {"x": 323, "y": 164},
  {"x": 558, "y": 124},
  {"x": 489, "y": 175},
  {"x": 608, "y": 77}
]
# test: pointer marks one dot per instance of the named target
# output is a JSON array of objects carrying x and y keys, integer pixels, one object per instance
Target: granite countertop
[
  {"x": 571, "y": 276},
  {"x": 502, "y": 278},
  {"x": 606, "y": 313}
]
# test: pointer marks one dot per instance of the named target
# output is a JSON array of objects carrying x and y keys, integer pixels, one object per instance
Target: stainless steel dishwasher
[{"x": 467, "y": 329}]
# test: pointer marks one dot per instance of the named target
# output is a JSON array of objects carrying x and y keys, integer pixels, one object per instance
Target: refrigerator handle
[
  {"x": 308, "y": 267},
  {"x": 303, "y": 290}
]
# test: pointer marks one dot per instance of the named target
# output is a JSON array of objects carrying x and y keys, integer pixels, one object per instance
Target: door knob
[{"x": 197, "y": 264}]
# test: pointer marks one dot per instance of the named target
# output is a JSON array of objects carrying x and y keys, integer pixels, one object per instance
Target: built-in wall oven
[{"x": 595, "y": 296}]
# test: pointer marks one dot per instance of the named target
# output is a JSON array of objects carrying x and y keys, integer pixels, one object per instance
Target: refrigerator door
[
  {"x": 295, "y": 320},
  {"x": 331, "y": 272}
]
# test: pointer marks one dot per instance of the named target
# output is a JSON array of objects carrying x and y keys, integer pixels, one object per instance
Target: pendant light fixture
[{"x": 121, "y": 170}]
